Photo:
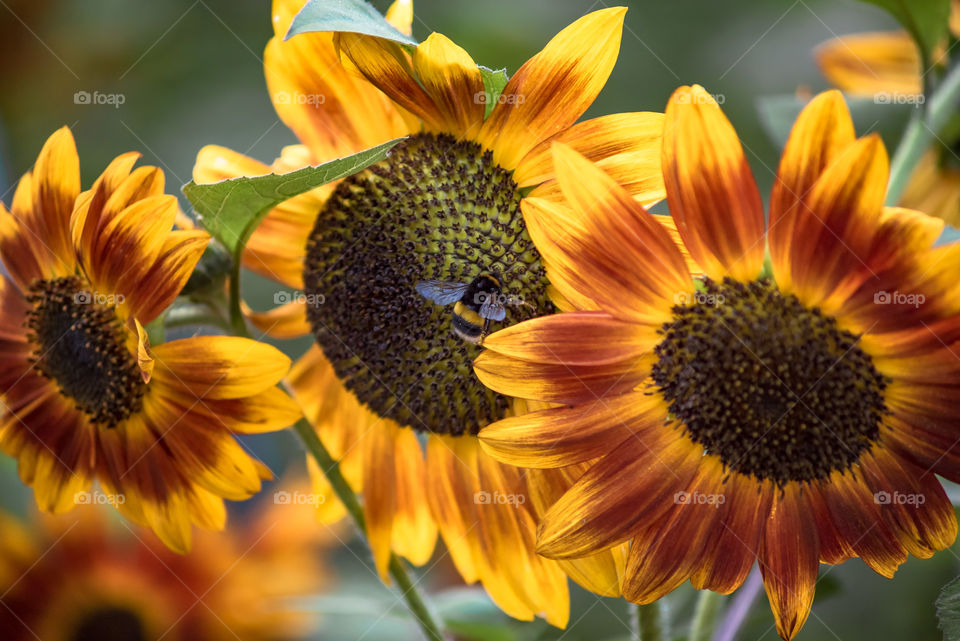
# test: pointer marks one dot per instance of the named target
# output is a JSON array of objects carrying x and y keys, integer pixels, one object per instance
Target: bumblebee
[{"x": 477, "y": 303}]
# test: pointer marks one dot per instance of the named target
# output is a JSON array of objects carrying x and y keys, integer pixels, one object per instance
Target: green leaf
[
  {"x": 493, "y": 84},
  {"x": 948, "y": 610},
  {"x": 924, "y": 20},
  {"x": 231, "y": 209},
  {"x": 352, "y": 16}
]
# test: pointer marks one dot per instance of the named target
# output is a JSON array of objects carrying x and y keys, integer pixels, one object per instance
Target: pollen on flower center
[
  {"x": 435, "y": 209},
  {"x": 775, "y": 389},
  {"x": 79, "y": 344}
]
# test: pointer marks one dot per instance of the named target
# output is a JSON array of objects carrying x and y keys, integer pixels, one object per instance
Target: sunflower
[
  {"x": 885, "y": 66},
  {"x": 86, "y": 577},
  {"x": 387, "y": 378},
  {"x": 84, "y": 394},
  {"x": 730, "y": 412}
]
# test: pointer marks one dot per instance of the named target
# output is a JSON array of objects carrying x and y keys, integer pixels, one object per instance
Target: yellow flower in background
[
  {"x": 731, "y": 414},
  {"x": 885, "y": 66},
  {"x": 86, "y": 577},
  {"x": 445, "y": 205},
  {"x": 84, "y": 395}
]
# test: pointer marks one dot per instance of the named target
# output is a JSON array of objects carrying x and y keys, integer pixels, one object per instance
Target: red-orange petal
[
  {"x": 564, "y": 436},
  {"x": 668, "y": 552},
  {"x": 559, "y": 383},
  {"x": 790, "y": 560},
  {"x": 857, "y": 518},
  {"x": 619, "y": 495},
  {"x": 615, "y": 252},
  {"x": 710, "y": 188}
]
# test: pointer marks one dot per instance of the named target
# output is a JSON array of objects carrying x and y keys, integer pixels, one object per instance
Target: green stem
[
  {"x": 331, "y": 468},
  {"x": 926, "y": 123},
  {"x": 237, "y": 321},
  {"x": 647, "y": 622},
  {"x": 705, "y": 616}
]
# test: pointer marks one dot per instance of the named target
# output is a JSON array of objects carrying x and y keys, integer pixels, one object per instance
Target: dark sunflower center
[
  {"x": 110, "y": 624},
  {"x": 435, "y": 209},
  {"x": 80, "y": 346},
  {"x": 773, "y": 388}
]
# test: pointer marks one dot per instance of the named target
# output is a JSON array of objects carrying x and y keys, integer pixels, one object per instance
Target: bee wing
[
  {"x": 492, "y": 309},
  {"x": 442, "y": 292}
]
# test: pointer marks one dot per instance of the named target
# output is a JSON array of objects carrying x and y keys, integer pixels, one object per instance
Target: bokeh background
[{"x": 190, "y": 73}]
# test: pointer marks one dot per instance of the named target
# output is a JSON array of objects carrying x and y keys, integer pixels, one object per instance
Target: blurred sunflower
[
  {"x": 732, "y": 413},
  {"x": 885, "y": 66},
  {"x": 86, "y": 578},
  {"x": 444, "y": 205},
  {"x": 84, "y": 394}
]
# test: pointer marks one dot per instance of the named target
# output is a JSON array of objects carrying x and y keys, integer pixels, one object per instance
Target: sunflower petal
[
  {"x": 789, "y": 560},
  {"x": 668, "y": 552},
  {"x": 553, "y": 89},
  {"x": 626, "y": 146},
  {"x": 286, "y": 321},
  {"x": 568, "y": 435},
  {"x": 388, "y": 67},
  {"x": 331, "y": 108},
  {"x": 379, "y": 496},
  {"x": 857, "y": 518},
  {"x": 616, "y": 248},
  {"x": 865, "y": 64},
  {"x": 219, "y": 367},
  {"x": 618, "y": 495},
  {"x": 558, "y": 383},
  {"x": 451, "y": 78},
  {"x": 832, "y": 239},
  {"x": 710, "y": 188}
]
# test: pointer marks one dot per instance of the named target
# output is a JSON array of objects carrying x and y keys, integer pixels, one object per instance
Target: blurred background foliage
[{"x": 190, "y": 73}]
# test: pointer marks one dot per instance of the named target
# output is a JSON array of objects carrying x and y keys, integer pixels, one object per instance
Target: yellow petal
[
  {"x": 451, "y": 78},
  {"x": 871, "y": 64},
  {"x": 219, "y": 367},
  {"x": 553, "y": 89}
]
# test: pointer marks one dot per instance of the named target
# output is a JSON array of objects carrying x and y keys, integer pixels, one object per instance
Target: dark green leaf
[
  {"x": 948, "y": 610},
  {"x": 231, "y": 209},
  {"x": 493, "y": 84},
  {"x": 924, "y": 20},
  {"x": 353, "y": 16}
]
